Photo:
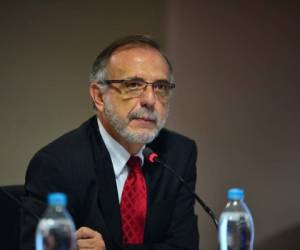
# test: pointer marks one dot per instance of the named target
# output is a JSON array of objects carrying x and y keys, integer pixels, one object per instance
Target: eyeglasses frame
[{"x": 109, "y": 82}]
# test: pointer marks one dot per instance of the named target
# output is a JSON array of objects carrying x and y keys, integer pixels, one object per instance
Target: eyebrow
[{"x": 136, "y": 78}]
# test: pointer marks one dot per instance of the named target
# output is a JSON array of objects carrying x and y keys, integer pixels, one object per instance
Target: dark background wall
[
  {"x": 47, "y": 49},
  {"x": 236, "y": 68}
]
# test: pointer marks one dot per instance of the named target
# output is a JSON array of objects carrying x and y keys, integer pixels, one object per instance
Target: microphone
[
  {"x": 19, "y": 203},
  {"x": 153, "y": 157}
]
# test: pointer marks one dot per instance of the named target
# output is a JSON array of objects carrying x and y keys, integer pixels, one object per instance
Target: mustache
[{"x": 143, "y": 113}]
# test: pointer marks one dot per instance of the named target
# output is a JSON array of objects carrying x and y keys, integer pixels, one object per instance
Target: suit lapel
[
  {"x": 153, "y": 173},
  {"x": 107, "y": 189}
]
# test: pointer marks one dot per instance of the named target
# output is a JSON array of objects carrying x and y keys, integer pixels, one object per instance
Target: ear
[{"x": 96, "y": 95}]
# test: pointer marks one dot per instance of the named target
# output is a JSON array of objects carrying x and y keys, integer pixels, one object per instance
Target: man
[{"x": 119, "y": 200}]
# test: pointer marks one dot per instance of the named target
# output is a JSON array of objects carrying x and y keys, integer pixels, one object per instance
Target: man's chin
[{"x": 141, "y": 136}]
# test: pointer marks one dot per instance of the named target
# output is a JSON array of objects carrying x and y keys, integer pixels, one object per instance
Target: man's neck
[{"x": 132, "y": 148}]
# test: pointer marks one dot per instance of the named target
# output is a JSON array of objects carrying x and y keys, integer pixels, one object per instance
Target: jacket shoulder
[
  {"x": 77, "y": 140},
  {"x": 169, "y": 141}
]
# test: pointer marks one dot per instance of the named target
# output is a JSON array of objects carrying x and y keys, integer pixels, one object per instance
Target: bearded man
[{"x": 118, "y": 200}]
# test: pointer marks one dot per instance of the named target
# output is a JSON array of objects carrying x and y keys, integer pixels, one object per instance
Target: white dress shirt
[{"x": 119, "y": 157}]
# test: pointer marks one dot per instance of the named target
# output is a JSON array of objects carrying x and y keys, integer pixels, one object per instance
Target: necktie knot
[{"x": 134, "y": 163}]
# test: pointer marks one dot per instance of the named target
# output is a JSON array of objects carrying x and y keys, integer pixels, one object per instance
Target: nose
[{"x": 148, "y": 97}]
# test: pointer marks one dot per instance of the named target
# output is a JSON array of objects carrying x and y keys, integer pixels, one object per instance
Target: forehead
[{"x": 142, "y": 61}]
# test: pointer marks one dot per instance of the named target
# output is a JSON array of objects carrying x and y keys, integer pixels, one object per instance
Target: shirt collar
[{"x": 118, "y": 154}]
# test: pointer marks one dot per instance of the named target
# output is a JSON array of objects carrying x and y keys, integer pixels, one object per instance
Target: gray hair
[{"x": 99, "y": 73}]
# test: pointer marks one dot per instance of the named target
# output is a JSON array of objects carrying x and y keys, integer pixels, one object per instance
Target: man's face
[{"x": 139, "y": 119}]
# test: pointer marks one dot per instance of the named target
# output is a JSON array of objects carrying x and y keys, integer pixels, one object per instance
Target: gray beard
[{"x": 121, "y": 128}]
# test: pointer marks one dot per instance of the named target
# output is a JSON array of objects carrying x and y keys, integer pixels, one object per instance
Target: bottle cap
[
  {"x": 235, "y": 194},
  {"x": 55, "y": 199}
]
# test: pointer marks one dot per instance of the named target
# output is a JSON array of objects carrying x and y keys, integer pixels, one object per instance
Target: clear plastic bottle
[
  {"x": 56, "y": 230},
  {"x": 236, "y": 229}
]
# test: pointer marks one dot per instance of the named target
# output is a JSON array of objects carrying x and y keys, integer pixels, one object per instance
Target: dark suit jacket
[{"x": 79, "y": 165}]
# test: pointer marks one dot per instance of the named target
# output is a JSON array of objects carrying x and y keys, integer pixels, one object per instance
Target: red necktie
[{"x": 134, "y": 203}]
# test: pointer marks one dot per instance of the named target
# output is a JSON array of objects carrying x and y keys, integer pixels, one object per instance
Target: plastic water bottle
[
  {"x": 56, "y": 230},
  {"x": 236, "y": 229}
]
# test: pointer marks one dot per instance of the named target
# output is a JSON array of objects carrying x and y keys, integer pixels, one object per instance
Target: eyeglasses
[{"x": 135, "y": 87}]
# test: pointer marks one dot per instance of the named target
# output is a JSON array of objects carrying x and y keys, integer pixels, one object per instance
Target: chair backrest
[{"x": 10, "y": 216}]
